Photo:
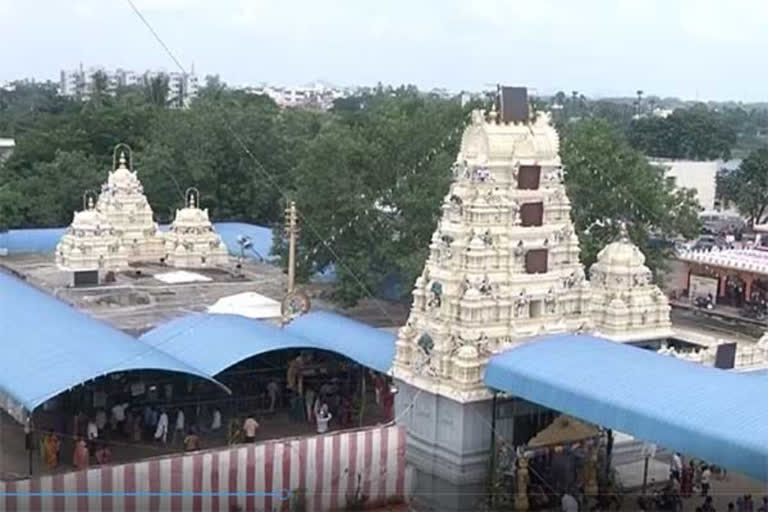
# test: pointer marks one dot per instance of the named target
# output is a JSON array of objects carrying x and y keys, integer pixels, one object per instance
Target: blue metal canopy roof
[
  {"x": 213, "y": 342},
  {"x": 47, "y": 347},
  {"x": 260, "y": 236},
  {"x": 44, "y": 240},
  {"x": 367, "y": 345},
  {"x": 717, "y": 415}
]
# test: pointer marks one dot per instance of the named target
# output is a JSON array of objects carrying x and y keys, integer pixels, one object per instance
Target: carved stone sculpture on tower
[{"x": 505, "y": 259}]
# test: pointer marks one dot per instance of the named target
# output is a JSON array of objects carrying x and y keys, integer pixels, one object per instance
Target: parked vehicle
[
  {"x": 754, "y": 310},
  {"x": 704, "y": 303}
]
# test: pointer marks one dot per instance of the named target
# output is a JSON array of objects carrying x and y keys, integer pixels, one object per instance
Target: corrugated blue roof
[
  {"x": 213, "y": 342},
  {"x": 367, "y": 345},
  {"x": 261, "y": 238},
  {"x": 44, "y": 240},
  {"x": 717, "y": 415},
  {"x": 31, "y": 240},
  {"x": 47, "y": 346}
]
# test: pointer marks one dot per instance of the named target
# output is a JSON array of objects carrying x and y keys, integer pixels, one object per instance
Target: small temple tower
[
  {"x": 626, "y": 305},
  {"x": 90, "y": 243},
  {"x": 503, "y": 267},
  {"x": 119, "y": 230},
  {"x": 123, "y": 203},
  {"x": 191, "y": 241}
]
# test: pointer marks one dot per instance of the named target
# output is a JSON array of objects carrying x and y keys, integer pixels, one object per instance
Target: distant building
[
  {"x": 6, "y": 148},
  {"x": 315, "y": 95},
  {"x": 79, "y": 83},
  {"x": 697, "y": 175}
]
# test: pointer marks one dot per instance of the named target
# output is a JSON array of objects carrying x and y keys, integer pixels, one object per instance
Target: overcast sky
[{"x": 705, "y": 49}]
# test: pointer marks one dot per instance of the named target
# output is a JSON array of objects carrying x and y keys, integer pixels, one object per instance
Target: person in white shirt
[
  {"x": 161, "y": 432},
  {"x": 706, "y": 474},
  {"x": 309, "y": 404},
  {"x": 178, "y": 431},
  {"x": 676, "y": 467},
  {"x": 101, "y": 420},
  {"x": 250, "y": 426},
  {"x": 118, "y": 415},
  {"x": 216, "y": 423},
  {"x": 568, "y": 503},
  {"x": 273, "y": 389},
  {"x": 323, "y": 417},
  {"x": 92, "y": 431}
]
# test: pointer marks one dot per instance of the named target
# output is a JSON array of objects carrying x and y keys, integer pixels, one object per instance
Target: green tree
[
  {"x": 98, "y": 90},
  {"x": 156, "y": 90},
  {"x": 371, "y": 182},
  {"x": 608, "y": 182},
  {"x": 49, "y": 193},
  {"x": 695, "y": 133},
  {"x": 747, "y": 185},
  {"x": 213, "y": 89},
  {"x": 232, "y": 149}
]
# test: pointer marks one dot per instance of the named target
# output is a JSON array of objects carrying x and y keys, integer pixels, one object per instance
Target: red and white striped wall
[{"x": 331, "y": 469}]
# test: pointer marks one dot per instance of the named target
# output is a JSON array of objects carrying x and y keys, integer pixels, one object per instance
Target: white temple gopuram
[
  {"x": 120, "y": 230},
  {"x": 503, "y": 264},
  {"x": 503, "y": 268}
]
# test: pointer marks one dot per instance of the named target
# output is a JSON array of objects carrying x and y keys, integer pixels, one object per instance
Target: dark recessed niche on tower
[
  {"x": 513, "y": 104},
  {"x": 528, "y": 177},
  {"x": 536, "y": 261},
  {"x": 531, "y": 214}
]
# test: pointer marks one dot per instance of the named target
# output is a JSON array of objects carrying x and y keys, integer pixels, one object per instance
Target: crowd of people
[{"x": 323, "y": 400}]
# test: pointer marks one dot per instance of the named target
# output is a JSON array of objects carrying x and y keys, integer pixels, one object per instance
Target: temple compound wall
[{"x": 337, "y": 471}]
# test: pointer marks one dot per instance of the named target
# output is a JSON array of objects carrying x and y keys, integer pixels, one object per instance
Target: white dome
[
  {"x": 89, "y": 219},
  {"x": 622, "y": 253},
  {"x": 191, "y": 216}
]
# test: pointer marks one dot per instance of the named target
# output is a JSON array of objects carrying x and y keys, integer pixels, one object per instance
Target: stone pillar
[
  {"x": 448, "y": 448},
  {"x": 748, "y": 286},
  {"x": 521, "y": 484},
  {"x": 590, "y": 472}
]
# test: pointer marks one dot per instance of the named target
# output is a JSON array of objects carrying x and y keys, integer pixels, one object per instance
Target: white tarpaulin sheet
[
  {"x": 181, "y": 276},
  {"x": 248, "y": 304}
]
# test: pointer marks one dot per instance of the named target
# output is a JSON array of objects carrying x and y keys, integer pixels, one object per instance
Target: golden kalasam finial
[
  {"x": 623, "y": 233},
  {"x": 125, "y": 160},
  {"x": 192, "y": 196}
]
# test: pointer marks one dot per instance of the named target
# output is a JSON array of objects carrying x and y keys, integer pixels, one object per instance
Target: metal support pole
[
  {"x": 493, "y": 451},
  {"x": 30, "y": 438},
  {"x": 645, "y": 473},
  {"x": 292, "y": 222},
  {"x": 362, "y": 394}
]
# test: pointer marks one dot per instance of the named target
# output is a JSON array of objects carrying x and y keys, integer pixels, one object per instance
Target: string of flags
[{"x": 642, "y": 214}]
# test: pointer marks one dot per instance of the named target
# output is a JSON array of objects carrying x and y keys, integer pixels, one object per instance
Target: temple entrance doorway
[{"x": 735, "y": 290}]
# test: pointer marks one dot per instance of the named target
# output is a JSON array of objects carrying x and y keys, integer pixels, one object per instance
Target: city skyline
[{"x": 599, "y": 48}]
